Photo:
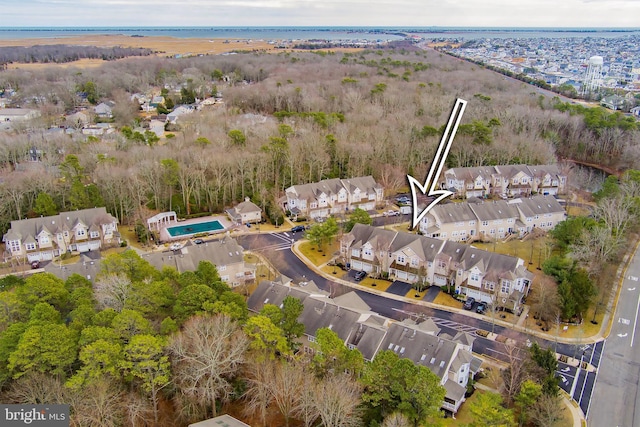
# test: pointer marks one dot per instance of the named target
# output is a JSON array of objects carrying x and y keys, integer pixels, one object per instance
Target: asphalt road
[
  {"x": 616, "y": 401},
  {"x": 276, "y": 247}
]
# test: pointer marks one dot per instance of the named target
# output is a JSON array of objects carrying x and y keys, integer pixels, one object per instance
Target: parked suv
[
  {"x": 297, "y": 228},
  {"x": 468, "y": 304},
  {"x": 360, "y": 275},
  {"x": 481, "y": 308}
]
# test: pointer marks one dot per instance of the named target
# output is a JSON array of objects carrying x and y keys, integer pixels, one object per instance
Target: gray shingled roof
[
  {"x": 497, "y": 209},
  {"x": 224, "y": 251},
  {"x": 21, "y": 229}
]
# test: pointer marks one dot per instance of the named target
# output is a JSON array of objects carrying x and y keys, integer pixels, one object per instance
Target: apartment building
[
  {"x": 497, "y": 279},
  {"x": 505, "y": 181},
  {"x": 333, "y": 196},
  {"x": 43, "y": 238},
  {"x": 493, "y": 219}
]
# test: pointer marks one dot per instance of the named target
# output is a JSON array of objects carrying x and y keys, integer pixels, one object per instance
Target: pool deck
[{"x": 166, "y": 237}]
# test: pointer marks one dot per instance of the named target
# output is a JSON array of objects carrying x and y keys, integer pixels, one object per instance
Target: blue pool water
[{"x": 201, "y": 227}]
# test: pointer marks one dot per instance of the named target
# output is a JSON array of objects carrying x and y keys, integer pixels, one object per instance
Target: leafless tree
[
  {"x": 514, "y": 374},
  {"x": 206, "y": 355},
  {"x": 547, "y": 411},
  {"x": 397, "y": 419},
  {"x": 99, "y": 404},
  {"x": 338, "y": 401},
  {"x": 35, "y": 388},
  {"x": 112, "y": 290},
  {"x": 258, "y": 397}
]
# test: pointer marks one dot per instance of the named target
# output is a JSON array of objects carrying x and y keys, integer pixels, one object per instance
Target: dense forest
[
  {"x": 287, "y": 118},
  {"x": 62, "y": 53}
]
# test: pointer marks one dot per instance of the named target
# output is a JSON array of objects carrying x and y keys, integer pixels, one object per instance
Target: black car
[
  {"x": 297, "y": 228},
  {"x": 468, "y": 304},
  {"x": 481, "y": 308},
  {"x": 198, "y": 241},
  {"x": 360, "y": 275}
]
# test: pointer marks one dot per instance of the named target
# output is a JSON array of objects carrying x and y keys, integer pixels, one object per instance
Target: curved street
[{"x": 578, "y": 382}]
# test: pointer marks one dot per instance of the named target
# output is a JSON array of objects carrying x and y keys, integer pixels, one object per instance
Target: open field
[{"x": 165, "y": 46}]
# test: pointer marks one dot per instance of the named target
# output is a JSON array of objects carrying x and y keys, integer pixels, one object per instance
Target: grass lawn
[
  {"x": 447, "y": 300},
  {"x": 316, "y": 257},
  {"x": 533, "y": 251},
  {"x": 379, "y": 284},
  {"x": 415, "y": 295},
  {"x": 463, "y": 417}
]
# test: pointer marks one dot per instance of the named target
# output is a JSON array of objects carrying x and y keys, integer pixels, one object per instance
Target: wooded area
[{"x": 286, "y": 118}]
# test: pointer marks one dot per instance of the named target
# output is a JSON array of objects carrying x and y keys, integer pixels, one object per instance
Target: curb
[{"x": 583, "y": 340}]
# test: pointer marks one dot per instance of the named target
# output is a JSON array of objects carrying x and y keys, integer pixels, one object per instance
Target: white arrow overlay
[{"x": 429, "y": 187}]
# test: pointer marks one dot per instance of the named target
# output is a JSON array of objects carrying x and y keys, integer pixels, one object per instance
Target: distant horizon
[
  {"x": 389, "y": 27},
  {"x": 327, "y": 13}
]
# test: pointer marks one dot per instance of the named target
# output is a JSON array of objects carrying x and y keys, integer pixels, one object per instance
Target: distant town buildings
[{"x": 584, "y": 63}]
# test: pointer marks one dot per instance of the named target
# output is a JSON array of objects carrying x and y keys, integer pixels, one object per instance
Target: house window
[
  {"x": 81, "y": 232},
  {"x": 492, "y": 231},
  {"x": 459, "y": 224},
  {"x": 43, "y": 240},
  {"x": 367, "y": 251},
  {"x": 312, "y": 338},
  {"x": 489, "y": 286},
  {"x": 313, "y": 205},
  {"x": 430, "y": 264},
  {"x": 510, "y": 221},
  {"x": 485, "y": 223},
  {"x": 14, "y": 245},
  {"x": 460, "y": 272},
  {"x": 536, "y": 217},
  {"x": 66, "y": 234},
  {"x": 401, "y": 259},
  {"x": 414, "y": 262},
  {"x": 472, "y": 223},
  {"x": 475, "y": 277},
  {"x": 442, "y": 264},
  {"x": 444, "y": 235},
  {"x": 30, "y": 246},
  {"x": 94, "y": 234},
  {"x": 506, "y": 287},
  {"x": 355, "y": 252},
  {"x": 224, "y": 278},
  {"x": 529, "y": 219},
  {"x": 497, "y": 221}
]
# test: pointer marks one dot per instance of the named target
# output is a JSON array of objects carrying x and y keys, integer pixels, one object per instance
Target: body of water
[{"x": 319, "y": 33}]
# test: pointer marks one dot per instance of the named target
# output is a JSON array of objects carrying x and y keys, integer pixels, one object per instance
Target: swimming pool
[{"x": 200, "y": 227}]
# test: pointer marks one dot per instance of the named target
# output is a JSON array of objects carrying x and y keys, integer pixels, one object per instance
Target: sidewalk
[
  {"x": 510, "y": 325},
  {"x": 576, "y": 412}
]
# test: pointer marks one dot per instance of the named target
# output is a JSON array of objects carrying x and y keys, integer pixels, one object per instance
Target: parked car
[
  {"x": 297, "y": 228},
  {"x": 468, "y": 304},
  {"x": 481, "y": 308},
  {"x": 35, "y": 264},
  {"x": 198, "y": 241},
  {"x": 175, "y": 247},
  {"x": 360, "y": 275}
]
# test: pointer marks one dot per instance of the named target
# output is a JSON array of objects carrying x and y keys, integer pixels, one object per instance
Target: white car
[
  {"x": 175, "y": 247},
  {"x": 391, "y": 213}
]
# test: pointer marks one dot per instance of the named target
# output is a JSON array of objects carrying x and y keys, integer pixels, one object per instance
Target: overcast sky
[{"x": 220, "y": 13}]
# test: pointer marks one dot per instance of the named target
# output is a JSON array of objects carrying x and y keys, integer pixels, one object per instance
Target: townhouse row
[
  {"x": 450, "y": 358},
  {"x": 504, "y": 181},
  {"x": 43, "y": 238},
  {"x": 491, "y": 220},
  {"x": 332, "y": 196},
  {"x": 499, "y": 280}
]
